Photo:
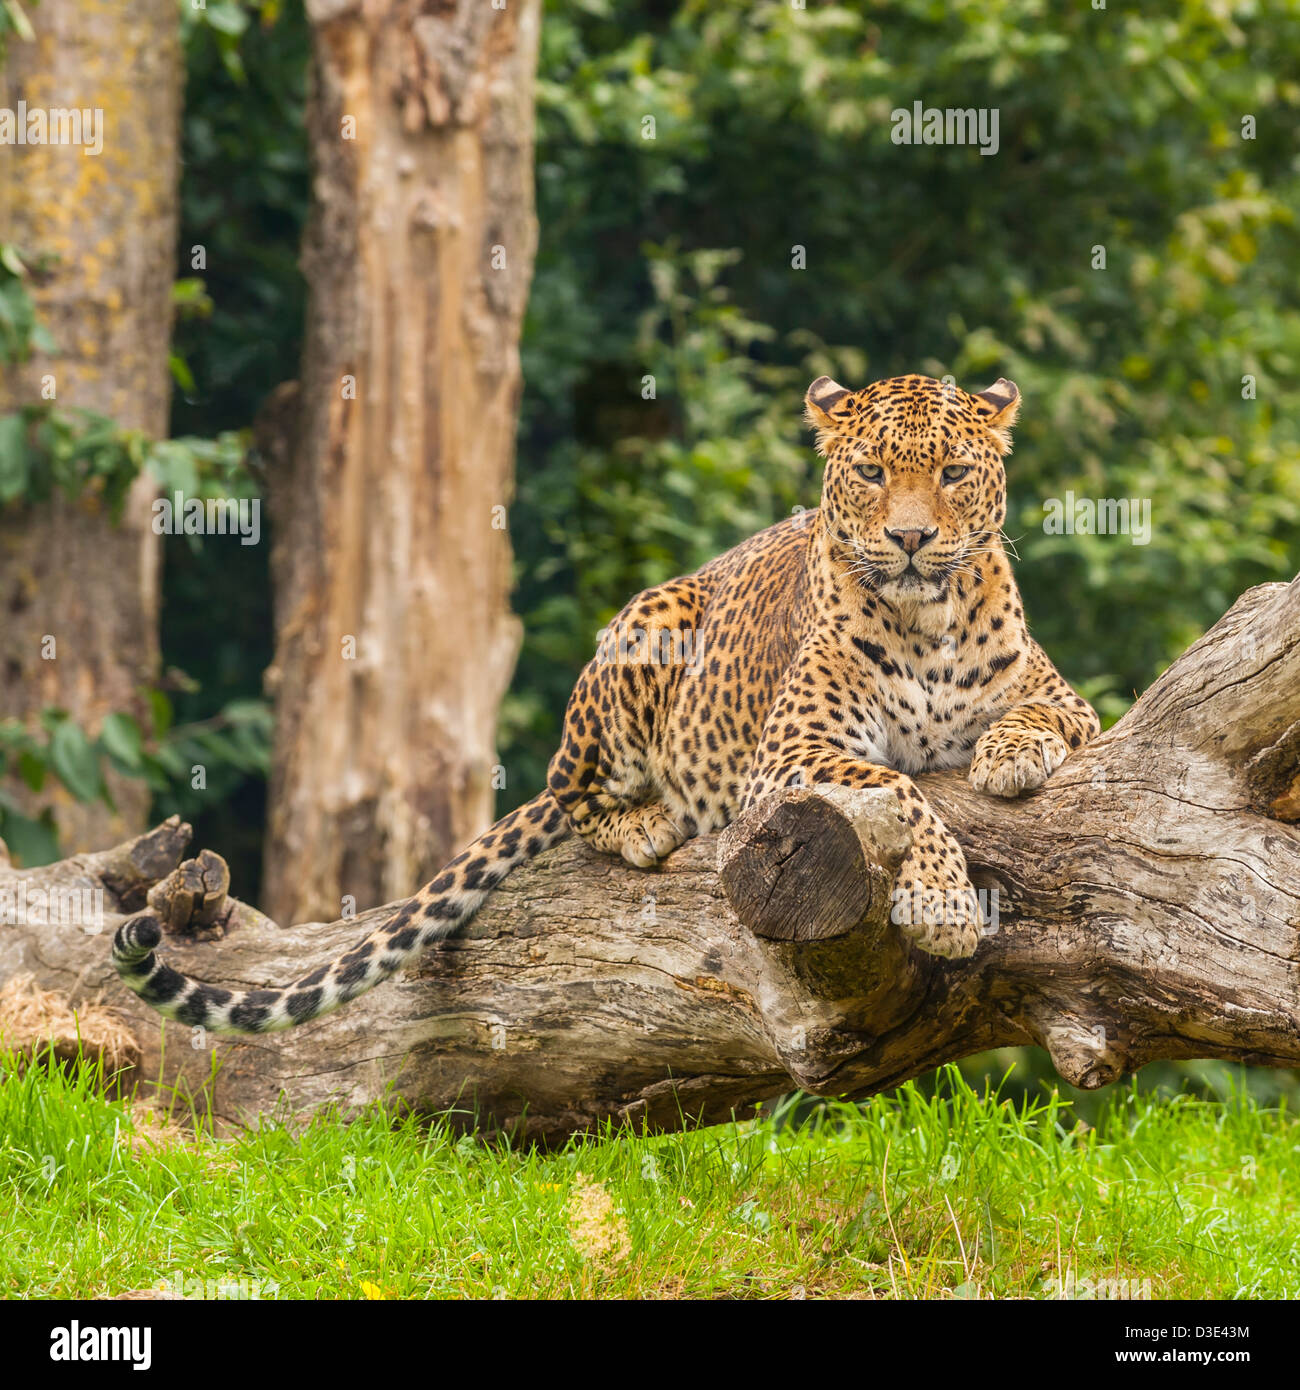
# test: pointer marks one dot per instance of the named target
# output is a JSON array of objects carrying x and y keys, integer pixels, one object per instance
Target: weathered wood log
[{"x": 1144, "y": 904}]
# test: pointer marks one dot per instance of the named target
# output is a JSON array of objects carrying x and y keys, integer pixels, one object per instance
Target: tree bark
[
  {"x": 391, "y": 561},
  {"x": 1147, "y": 906},
  {"x": 66, "y": 571}
]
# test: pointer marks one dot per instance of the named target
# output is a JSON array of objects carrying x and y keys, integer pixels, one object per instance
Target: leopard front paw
[
  {"x": 943, "y": 921},
  {"x": 649, "y": 834},
  {"x": 1010, "y": 761}
]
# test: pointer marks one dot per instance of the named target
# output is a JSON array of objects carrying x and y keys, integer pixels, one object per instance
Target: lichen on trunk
[{"x": 79, "y": 593}]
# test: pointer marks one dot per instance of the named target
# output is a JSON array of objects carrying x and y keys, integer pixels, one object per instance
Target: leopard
[{"x": 862, "y": 642}]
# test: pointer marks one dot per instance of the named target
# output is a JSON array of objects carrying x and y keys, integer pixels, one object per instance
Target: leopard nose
[{"x": 912, "y": 541}]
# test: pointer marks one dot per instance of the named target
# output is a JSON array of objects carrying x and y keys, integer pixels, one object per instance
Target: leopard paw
[
  {"x": 1010, "y": 761},
  {"x": 649, "y": 834},
  {"x": 943, "y": 921}
]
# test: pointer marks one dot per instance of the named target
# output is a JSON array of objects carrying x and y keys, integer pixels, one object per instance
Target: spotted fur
[{"x": 877, "y": 637}]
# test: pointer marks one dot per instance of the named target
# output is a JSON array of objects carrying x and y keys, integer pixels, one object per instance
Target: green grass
[{"x": 913, "y": 1195}]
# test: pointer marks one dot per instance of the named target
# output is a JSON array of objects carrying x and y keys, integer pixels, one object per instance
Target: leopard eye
[
  {"x": 872, "y": 472},
  {"x": 955, "y": 472}
]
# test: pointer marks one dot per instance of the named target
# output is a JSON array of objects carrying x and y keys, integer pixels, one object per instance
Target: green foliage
[
  {"x": 772, "y": 131},
  {"x": 43, "y": 448},
  {"x": 244, "y": 196},
  {"x": 82, "y": 453},
  {"x": 14, "y": 20},
  {"x": 234, "y": 744},
  {"x": 956, "y": 1193},
  {"x": 60, "y": 749},
  {"x": 21, "y": 332}
]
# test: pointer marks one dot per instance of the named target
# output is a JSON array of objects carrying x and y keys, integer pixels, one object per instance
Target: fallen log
[{"x": 1144, "y": 904}]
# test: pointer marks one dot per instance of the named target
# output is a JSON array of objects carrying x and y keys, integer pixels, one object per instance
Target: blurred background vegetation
[{"x": 671, "y": 258}]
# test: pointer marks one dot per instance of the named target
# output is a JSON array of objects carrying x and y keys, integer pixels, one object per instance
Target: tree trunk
[
  {"x": 391, "y": 562},
  {"x": 68, "y": 573},
  {"x": 1147, "y": 906}
]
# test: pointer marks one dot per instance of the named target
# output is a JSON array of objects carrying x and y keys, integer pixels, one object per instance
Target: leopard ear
[
  {"x": 821, "y": 398},
  {"x": 999, "y": 405}
]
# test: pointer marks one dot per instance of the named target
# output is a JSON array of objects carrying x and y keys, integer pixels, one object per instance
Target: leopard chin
[
  {"x": 911, "y": 590},
  {"x": 929, "y": 614}
]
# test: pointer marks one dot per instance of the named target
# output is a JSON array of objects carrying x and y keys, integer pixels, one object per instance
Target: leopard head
[{"x": 914, "y": 487}]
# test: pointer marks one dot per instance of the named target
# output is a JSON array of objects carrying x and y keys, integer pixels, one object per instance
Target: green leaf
[
  {"x": 227, "y": 18},
  {"x": 170, "y": 763},
  {"x": 75, "y": 761},
  {"x": 180, "y": 370},
  {"x": 32, "y": 768},
  {"x": 13, "y": 734},
  {"x": 188, "y": 291},
  {"x": 31, "y": 842},
  {"x": 155, "y": 774},
  {"x": 247, "y": 712},
  {"x": 160, "y": 710},
  {"x": 22, "y": 25},
  {"x": 209, "y": 746},
  {"x": 15, "y": 462},
  {"x": 121, "y": 740}
]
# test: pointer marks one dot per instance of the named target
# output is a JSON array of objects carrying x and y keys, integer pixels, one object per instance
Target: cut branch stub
[
  {"x": 130, "y": 870},
  {"x": 810, "y": 871},
  {"x": 192, "y": 898},
  {"x": 810, "y": 863}
]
